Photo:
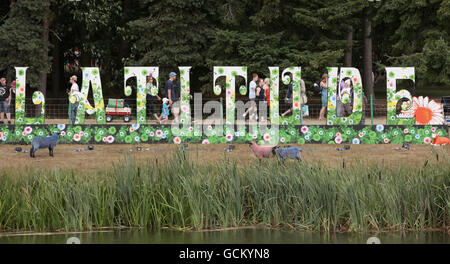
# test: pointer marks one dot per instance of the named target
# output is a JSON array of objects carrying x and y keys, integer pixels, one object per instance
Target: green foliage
[
  {"x": 171, "y": 33},
  {"x": 21, "y": 38}
]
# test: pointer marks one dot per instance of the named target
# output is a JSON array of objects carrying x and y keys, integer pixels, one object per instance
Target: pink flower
[
  {"x": 405, "y": 131},
  {"x": 282, "y": 140},
  {"x": 63, "y": 133},
  {"x": 338, "y": 140},
  {"x": 110, "y": 139},
  {"x": 104, "y": 139},
  {"x": 229, "y": 137},
  {"x": 158, "y": 133},
  {"x": 81, "y": 133},
  {"x": 386, "y": 140},
  {"x": 28, "y": 130},
  {"x": 205, "y": 141},
  {"x": 24, "y": 133},
  {"x": 338, "y": 134},
  {"x": 152, "y": 133},
  {"x": 304, "y": 129}
]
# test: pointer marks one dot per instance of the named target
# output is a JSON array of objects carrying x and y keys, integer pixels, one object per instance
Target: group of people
[
  {"x": 171, "y": 100},
  {"x": 259, "y": 95}
]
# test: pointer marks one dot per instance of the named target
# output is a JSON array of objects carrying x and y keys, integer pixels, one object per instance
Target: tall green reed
[{"x": 179, "y": 193}]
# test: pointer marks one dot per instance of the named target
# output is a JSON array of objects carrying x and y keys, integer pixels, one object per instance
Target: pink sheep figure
[{"x": 260, "y": 151}]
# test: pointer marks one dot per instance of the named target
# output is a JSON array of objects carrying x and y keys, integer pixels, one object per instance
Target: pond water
[{"x": 241, "y": 236}]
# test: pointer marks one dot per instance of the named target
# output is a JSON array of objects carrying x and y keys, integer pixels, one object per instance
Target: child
[{"x": 165, "y": 111}]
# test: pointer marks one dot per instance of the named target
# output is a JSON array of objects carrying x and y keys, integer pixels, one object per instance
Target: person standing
[
  {"x": 259, "y": 98},
  {"x": 5, "y": 100},
  {"x": 324, "y": 89},
  {"x": 74, "y": 93},
  {"x": 267, "y": 94},
  {"x": 151, "y": 99},
  {"x": 172, "y": 95},
  {"x": 346, "y": 98},
  {"x": 251, "y": 97}
]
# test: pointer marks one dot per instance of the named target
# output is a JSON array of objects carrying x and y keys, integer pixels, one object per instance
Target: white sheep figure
[{"x": 44, "y": 142}]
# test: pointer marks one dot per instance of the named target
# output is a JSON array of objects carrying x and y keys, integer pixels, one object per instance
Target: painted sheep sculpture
[
  {"x": 288, "y": 153},
  {"x": 261, "y": 151},
  {"x": 44, "y": 142}
]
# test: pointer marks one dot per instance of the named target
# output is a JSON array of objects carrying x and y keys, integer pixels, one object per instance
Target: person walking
[
  {"x": 324, "y": 89},
  {"x": 289, "y": 99},
  {"x": 164, "y": 111},
  {"x": 172, "y": 95},
  {"x": 74, "y": 97},
  {"x": 5, "y": 100}
]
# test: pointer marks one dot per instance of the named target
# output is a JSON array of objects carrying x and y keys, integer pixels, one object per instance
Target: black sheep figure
[{"x": 44, "y": 142}]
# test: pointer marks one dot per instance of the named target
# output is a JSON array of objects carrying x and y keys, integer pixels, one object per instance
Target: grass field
[
  {"x": 105, "y": 156},
  {"x": 376, "y": 188}
]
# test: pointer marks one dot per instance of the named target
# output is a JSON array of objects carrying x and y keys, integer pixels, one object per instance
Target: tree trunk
[
  {"x": 367, "y": 78},
  {"x": 46, "y": 24},
  {"x": 348, "y": 51},
  {"x": 56, "y": 69}
]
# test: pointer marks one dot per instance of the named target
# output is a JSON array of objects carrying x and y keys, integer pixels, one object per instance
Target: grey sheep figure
[
  {"x": 44, "y": 142},
  {"x": 288, "y": 153}
]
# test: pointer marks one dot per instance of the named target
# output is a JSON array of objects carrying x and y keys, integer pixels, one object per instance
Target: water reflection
[{"x": 243, "y": 236}]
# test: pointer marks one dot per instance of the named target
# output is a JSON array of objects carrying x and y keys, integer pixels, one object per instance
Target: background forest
[{"x": 55, "y": 37}]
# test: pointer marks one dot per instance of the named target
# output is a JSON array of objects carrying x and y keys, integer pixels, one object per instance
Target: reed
[{"x": 177, "y": 193}]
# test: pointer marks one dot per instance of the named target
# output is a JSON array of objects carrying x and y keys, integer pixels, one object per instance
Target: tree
[
  {"x": 415, "y": 33},
  {"x": 172, "y": 33},
  {"x": 24, "y": 42},
  {"x": 284, "y": 33}
]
